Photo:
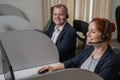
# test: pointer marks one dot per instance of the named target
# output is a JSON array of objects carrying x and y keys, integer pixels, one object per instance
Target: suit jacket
[
  {"x": 107, "y": 67},
  {"x": 66, "y": 42}
]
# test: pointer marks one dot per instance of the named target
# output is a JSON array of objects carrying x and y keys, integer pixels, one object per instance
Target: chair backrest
[
  {"x": 7, "y": 9},
  {"x": 117, "y": 13},
  {"x": 69, "y": 74},
  {"x": 28, "y": 48},
  {"x": 81, "y": 26},
  {"x": 9, "y": 23},
  {"x": 117, "y": 52}
]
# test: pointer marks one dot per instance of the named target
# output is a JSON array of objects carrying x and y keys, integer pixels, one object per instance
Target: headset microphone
[{"x": 96, "y": 42}]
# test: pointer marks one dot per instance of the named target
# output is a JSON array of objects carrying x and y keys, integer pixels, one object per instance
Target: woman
[{"x": 97, "y": 56}]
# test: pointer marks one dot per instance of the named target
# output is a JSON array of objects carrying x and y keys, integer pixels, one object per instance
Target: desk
[
  {"x": 69, "y": 74},
  {"x": 28, "y": 73}
]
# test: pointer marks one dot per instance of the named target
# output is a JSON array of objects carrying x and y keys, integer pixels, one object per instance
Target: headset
[
  {"x": 67, "y": 15},
  {"x": 104, "y": 36}
]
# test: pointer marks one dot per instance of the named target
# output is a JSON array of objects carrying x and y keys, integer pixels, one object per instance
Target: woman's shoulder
[
  {"x": 110, "y": 56},
  {"x": 87, "y": 49}
]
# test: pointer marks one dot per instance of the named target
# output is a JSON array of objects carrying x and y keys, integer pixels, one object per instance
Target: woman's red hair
[{"x": 102, "y": 24}]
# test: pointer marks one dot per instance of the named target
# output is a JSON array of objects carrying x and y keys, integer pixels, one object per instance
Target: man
[{"x": 62, "y": 33}]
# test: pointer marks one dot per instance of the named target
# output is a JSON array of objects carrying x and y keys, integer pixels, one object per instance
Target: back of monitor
[
  {"x": 28, "y": 49},
  {"x": 69, "y": 74}
]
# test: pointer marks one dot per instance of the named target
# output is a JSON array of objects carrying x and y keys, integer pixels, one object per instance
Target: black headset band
[
  {"x": 106, "y": 26},
  {"x": 104, "y": 36}
]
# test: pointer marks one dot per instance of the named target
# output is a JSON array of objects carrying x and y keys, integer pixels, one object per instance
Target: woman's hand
[{"x": 47, "y": 69}]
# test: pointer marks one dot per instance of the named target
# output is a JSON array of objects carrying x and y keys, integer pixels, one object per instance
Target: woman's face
[{"x": 93, "y": 35}]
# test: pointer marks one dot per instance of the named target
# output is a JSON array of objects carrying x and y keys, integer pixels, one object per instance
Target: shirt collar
[{"x": 59, "y": 28}]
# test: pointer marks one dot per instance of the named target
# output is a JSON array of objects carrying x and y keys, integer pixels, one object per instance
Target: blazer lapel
[
  {"x": 60, "y": 37},
  {"x": 52, "y": 30},
  {"x": 101, "y": 62}
]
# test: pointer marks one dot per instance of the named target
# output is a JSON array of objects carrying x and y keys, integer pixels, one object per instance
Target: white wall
[{"x": 32, "y": 8}]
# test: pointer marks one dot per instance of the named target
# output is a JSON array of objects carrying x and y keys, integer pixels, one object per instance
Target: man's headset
[
  {"x": 67, "y": 16},
  {"x": 104, "y": 35}
]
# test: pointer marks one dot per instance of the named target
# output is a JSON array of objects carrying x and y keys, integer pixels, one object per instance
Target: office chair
[
  {"x": 82, "y": 27},
  {"x": 117, "y": 52},
  {"x": 69, "y": 74},
  {"x": 7, "y": 9},
  {"x": 117, "y": 13},
  {"x": 27, "y": 50}
]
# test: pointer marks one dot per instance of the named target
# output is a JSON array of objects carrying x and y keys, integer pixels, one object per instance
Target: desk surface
[
  {"x": 27, "y": 73},
  {"x": 69, "y": 74}
]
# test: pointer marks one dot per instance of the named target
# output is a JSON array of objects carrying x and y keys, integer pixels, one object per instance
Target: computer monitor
[
  {"x": 6, "y": 65},
  {"x": 68, "y": 74},
  {"x": 27, "y": 50}
]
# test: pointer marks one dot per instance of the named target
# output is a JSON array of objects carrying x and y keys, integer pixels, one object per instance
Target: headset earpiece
[
  {"x": 104, "y": 37},
  {"x": 67, "y": 16}
]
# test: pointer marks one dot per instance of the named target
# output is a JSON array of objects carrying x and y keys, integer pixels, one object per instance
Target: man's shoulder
[{"x": 68, "y": 26}]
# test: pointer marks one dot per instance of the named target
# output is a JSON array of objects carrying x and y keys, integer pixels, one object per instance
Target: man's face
[{"x": 59, "y": 16}]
